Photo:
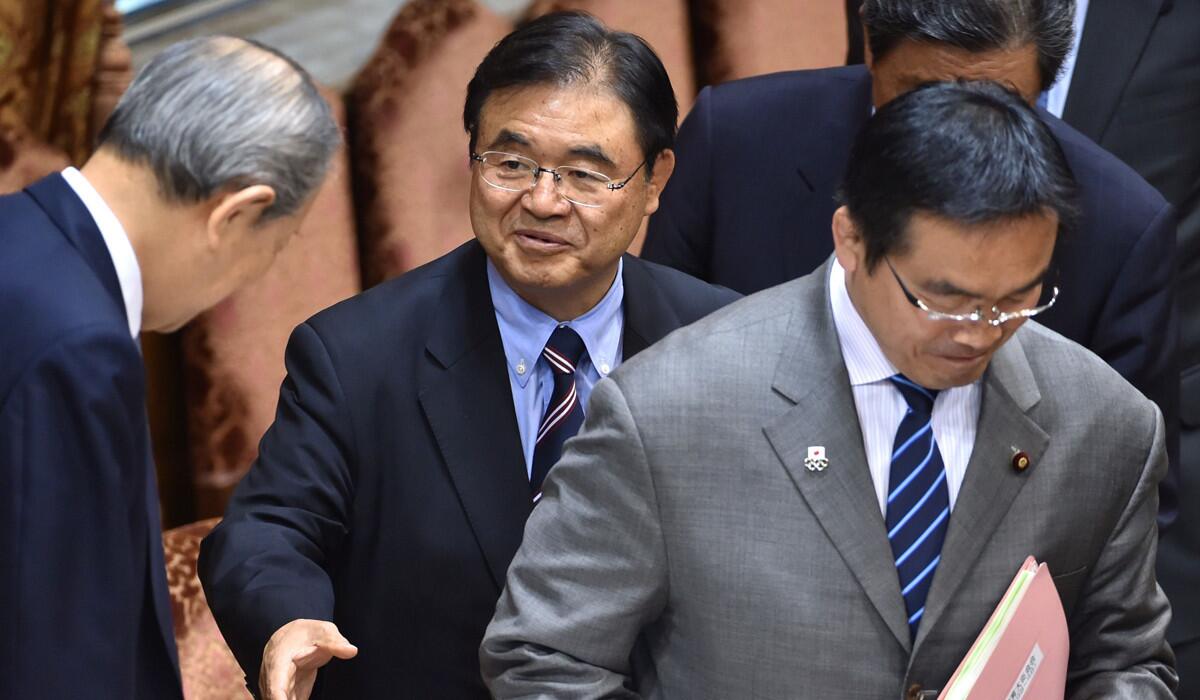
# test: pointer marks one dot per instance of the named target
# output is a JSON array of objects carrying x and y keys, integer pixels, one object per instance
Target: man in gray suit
[{"x": 824, "y": 489}]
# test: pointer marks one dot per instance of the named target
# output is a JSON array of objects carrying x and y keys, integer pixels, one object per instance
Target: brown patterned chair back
[
  {"x": 740, "y": 38},
  {"x": 24, "y": 159},
  {"x": 662, "y": 23},
  {"x": 63, "y": 66},
  {"x": 409, "y": 151},
  {"x": 208, "y": 668}
]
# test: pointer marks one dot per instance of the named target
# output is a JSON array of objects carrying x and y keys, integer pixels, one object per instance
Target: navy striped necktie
[
  {"x": 563, "y": 415},
  {"x": 918, "y": 501}
]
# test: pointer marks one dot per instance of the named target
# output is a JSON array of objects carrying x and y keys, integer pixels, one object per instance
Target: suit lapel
[
  {"x": 1103, "y": 67},
  {"x": 75, "y": 222},
  {"x": 465, "y": 394},
  {"x": 648, "y": 317},
  {"x": 991, "y": 484},
  {"x": 842, "y": 497}
]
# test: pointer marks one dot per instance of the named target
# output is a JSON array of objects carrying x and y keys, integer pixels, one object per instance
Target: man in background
[
  {"x": 826, "y": 488},
  {"x": 1132, "y": 84},
  {"x": 202, "y": 174},
  {"x": 419, "y": 419},
  {"x": 760, "y": 159},
  {"x": 1134, "y": 88}
]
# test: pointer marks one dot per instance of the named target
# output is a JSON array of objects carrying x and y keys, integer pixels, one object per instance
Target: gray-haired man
[{"x": 202, "y": 174}]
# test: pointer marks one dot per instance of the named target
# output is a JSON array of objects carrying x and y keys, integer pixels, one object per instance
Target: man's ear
[
  {"x": 848, "y": 243},
  {"x": 664, "y": 165},
  {"x": 238, "y": 210}
]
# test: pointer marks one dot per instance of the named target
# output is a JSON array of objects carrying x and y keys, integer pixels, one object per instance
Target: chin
[
  {"x": 166, "y": 327},
  {"x": 949, "y": 380},
  {"x": 541, "y": 273},
  {"x": 172, "y": 325}
]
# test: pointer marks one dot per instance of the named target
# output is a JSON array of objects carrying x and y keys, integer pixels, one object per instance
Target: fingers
[
  {"x": 333, "y": 642},
  {"x": 275, "y": 678},
  {"x": 304, "y": 686},
  {"x": 293, "y": 655},
  {"x": 327, "y": 642},
  {"x": 317, "y": 656}
]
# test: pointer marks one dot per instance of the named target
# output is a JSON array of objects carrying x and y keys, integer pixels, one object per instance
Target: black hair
[
  {"x": 976, "y": 25},
  {"x": 564, "y": 48},
  {"x": 971, "y": 152}
]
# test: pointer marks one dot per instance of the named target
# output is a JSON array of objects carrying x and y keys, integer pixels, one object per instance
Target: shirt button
[
  {"x": 521, "y": 367},
  {"x": 604, "y": 368}
]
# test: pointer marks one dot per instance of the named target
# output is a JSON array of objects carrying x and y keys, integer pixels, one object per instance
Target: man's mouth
[
  {"x": 964, "y": 359},
  {"x": 540, "y": 241}
]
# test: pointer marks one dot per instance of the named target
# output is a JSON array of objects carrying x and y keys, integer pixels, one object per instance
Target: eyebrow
[
  {"x": 591, "y": 151},
  {"x": 947, "y": 288},
  {"x": 508, "y": 138}
]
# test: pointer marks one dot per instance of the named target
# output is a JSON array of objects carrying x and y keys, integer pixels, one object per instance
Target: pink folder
[{"x": 1022, "y": 652}]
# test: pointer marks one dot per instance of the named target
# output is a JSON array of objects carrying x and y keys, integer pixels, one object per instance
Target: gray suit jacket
[{"x": 682, "y": 526}]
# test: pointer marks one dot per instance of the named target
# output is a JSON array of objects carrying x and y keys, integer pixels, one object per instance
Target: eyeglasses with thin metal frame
[
  {"x": 999, "y": 317},
  {"x": 514, "y": 173}
]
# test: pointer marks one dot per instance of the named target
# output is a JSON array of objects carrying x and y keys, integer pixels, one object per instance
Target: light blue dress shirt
[{"x": 524, "y": 331}]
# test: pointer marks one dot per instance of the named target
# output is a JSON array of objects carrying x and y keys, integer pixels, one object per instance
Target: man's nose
[
  {"x": 979, "y": 336},
  {"x": 543, "y": 199}
]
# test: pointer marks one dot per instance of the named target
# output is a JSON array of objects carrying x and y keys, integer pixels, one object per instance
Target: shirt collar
[
  {"x": 865, "y": 361},
  {"x": 526, "y": 329},
  {"x": 129, "y": 274}
]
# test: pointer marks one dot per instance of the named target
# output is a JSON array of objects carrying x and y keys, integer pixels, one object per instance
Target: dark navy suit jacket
[
  {"x": 391, "y": 492},
  {"x": 84, "y": 611},
  {"x": 750, "y": 204},
  {"x": 1136, "y": 92}
]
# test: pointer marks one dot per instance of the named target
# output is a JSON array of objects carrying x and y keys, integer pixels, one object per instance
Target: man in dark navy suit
[
  {"x": 202, "y": 174},
  {"x": 418, "y": 420},
  {"x": 1135, "y": 90},
  {"x": 759, "y": 161}
]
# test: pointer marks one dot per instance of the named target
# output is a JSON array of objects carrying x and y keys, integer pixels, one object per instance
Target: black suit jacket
[
  {"x": 758, "y": 165},
  {"x": 84, "y": 610},
  {"x": 1136, "y": 92},
  {"x": 391, "y": 492}
]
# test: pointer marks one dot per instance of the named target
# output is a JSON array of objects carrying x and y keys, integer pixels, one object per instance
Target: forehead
[
  {"x": 918, "y": 62},
  {"x": 550, "y": 116},
  {"x": 1013, "y": 249}
]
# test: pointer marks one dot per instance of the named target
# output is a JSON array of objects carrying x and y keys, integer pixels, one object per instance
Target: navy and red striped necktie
[{"x": 564, "y": 414}]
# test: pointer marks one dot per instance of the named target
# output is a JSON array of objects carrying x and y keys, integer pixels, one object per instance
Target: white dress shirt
[
  {"x": 124, "y": 260},
  {"x": 881, "y": 407}
]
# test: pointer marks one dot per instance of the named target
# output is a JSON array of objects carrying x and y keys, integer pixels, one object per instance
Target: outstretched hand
[{"x": 294, "y": 654}]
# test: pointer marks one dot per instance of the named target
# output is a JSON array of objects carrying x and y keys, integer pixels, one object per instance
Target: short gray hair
[
  {"x": 218, "y": 112},
  {"x": 976, "y": 25}
]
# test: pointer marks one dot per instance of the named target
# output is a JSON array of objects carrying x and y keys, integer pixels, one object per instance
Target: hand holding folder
[{"x": 1023, "y": 650}]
